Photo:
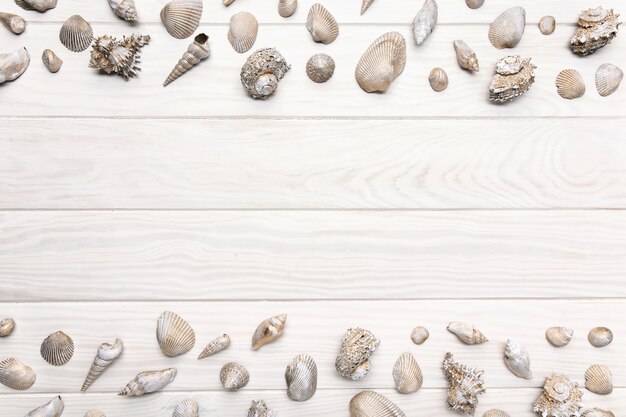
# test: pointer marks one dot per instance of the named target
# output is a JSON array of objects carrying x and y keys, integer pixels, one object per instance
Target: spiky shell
[
  {"x": 187, "y": 408},
  {"x": 598, "y": 379},
  {"x": 559, "y": 336},
  {"x": 596, "y": 29},
  {"x": 507, "y": 30},
  {"x": 57, "y": 349},
  {"x": 597, "y": 412},
  {"x": 243, "y": 31},
  {"x": 269, "y": 329},
  {"x": 53, "y": 408},
  {"x": 495, "y": 413},
  {"x": 474, "y": 4},
  {"x": 465, "y": 56},
  {"x": 570, "y": 84},
  {"x": 106, "y": 355},
  {"x": 120, "y": 57},
  {"x": 196, "y": 52},
  {"x": 465, "y": 385},
  {"x": 260, "y": 76},
  {"x": 148, "y": 382},
  {"x": 357, "y": 347},
  {"x": 467, "y": 333},
  {"x": 322, "y": 25},
  {"x": 234, "y": 376},
  {"x": 94, "y": 413},
  {"x": 124, "y": 9},
  {"x": 13, "y": 65},
  {"x": 373, "y": 404},
  {"x": 16, "y": 374},
  {"x": 320, "y": 68},
  {"x": 608, "y": 79},
  {"x": 286, "y": 8},
  {"x": 517, "y": 360},
  {"x": 301, "y": 378},
  {"x": 560, "y": 398},
  {"x": 13, "y": 22},
  {"x": 51, "y": 61},
  {"x": 175, "y": 335},
  {"x": 6, "y": 325},
  {"x": 381, "y": 63},
  {"x": 365, "y": 4},
  {"x": 182, "y": 17},
  {"x": 215, "y": 346},
  {"x": 600, "y": 336},
  {"x": 514, "y": 76},
  {"x": 547, "y": 25},
  {"x": 260, "y": 409},
  {"x": 425, "y": 21},
  {"x": 407, "y": 374},
  {"x": 38, "y": 5},
  {"x": 420, "y": 334},
  {"x": 76, "y": 34}
]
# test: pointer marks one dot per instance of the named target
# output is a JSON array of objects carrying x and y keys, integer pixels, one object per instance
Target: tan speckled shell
[
  {"x": 465, "y": 56},
  {"x": 175, "y": 335},
  {"x": 182, "y": 17},
  {"x": 507, "y": 30},
  {"x": 560, "y": 398},
  {"x": 187, "y": 408},
  {"x": 287, "y": 8},
  {"x": 474, "y": 4},
  {"x": 53, "y": 408},
  {"x": 495, "y": 413},
  {"x": 467, "y": 333},
  {"x": 57, "y": 349},
  {"x": 6, "y": 327},
  {"x": 16, "y": 374},
  {"x": 365, "y": 4},
  {"x": 94, "y": 413},
  {"x": 438, "y": 80},
  {"x": 107, "y": 353},
  {"x": 215, "y": 346},
  {"x": 301, "y": 378},
  {"x": 373, "y": 404},
  {"x": 322, "y": 25},
  {"x": 547, "y": 25},
  {"x": 320, "y": 68},
  {"x": 243, "y": 31},
  {"x": 13, "y": 22},
  {"x": 596, "y": 29},
  {"x": 234, "y": 376},
  {"x": 570, "y": 84},
  {"x": 381, "y": 63},
  {"x": 407, "y": 374},
  {"x": 559, "y": 336},
  {"x": 76, "y": 34},
  {"x": 420, "y": 334},
  {"x": 608, "y": 79},
  {"x": 514, "y": 77},
  {"x": 600, "y": 336},
  {"x": 148, "y": 382},
  {"x": 598, "y": 379},
  {"x": 268, "y": 331}
]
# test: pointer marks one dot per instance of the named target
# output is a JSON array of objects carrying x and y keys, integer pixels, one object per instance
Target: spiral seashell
[
  {"x": 187, "y": 408},
  {"x": 182, "y": 17},
  {"x": 243, "y": 31},
  {"x": 438, "y": 80},
  {"x": 175, "y": 335},
  {"x": 322, "y": 25},
  {"x": 559, "y": 336},
  {"x": 373, "y": 404},
  {"x": 38, "y": 5},
  {"x": 148, "y": 382},
  {"x": 381, "y": 63},
  {"x": 124, "y": 9},
  {"x": 507, "y": 30},
  {"x": 13, "y": 22},
  {"x": 597, "y": 412},
  {"x": 495, "y": 413},
  {"x": 234, "y": 376},
  {"x": 57, "y": 349},
  {"x": 357, "y": 347},
  {"x": 260, "y": 409},
  {"x": 16, "y": 374},
  {"x": 608, "y": 79},
  {"x": 94, "y": 413},
  {"x": 268, "y": 331},
  {"x": 301, "y": 378},
  {"x": 196, "y": 52},
  {"x": 560, "y": 398},
  {"x": 514, "y": 77},
  {"x": 260, "y": 76},
  {"x": 596, "y": 29},
  {"x": 517, "y": 360},
  {"x": 425, "y": 21},
  {"x": 6, "y": 325},
  {"x": 600, "y": 336},
  {"x": 465, "y": 56},
  {"x": 120, "y": 57},
  {"x": 53, "y": 408},
  {"x": 76, "y": 34},
  {"x": 320, "y": 68},
  {"x": 407, "y": 374},
  {"x": 12, "y": 66},
  {"x": 570, "y": 84},
  {"x": 467, "y": 333},
  {"x": 106, "y": 355},
  {"x": 547, "y": 25},
  {"x": 51, "y": 61},
  {"x": 215, "y": 346},
  {"x": 365, "y": 5},
  {"x": 474, "y": 4},
  {"x": 286, "y": 8},
  {"x": 598, "y": 379},
  {"x": 465, "y": 385}
]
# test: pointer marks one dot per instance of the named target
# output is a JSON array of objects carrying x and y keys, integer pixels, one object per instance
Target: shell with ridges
[
  {"x": 182, "y": 17},
  {"x": 175, "y": 335},
  {"x": 106, "y": 355},
  {"x": 286, "y": 8},
  {"x": 517, "y": 360},
  {"x": 94, "y": 413},
  {"x": 13, "y": 22},
  {"x": 365, "y": 4},
  {"x": 596, "y": 29},
  {"x": 13, "y": 65},
  {"x": 16, "y": 374},
  {"x": 53, "y": 408},
  {"x": 6, "y": 325},
  {"x": 320, "y": 68},
  {"x": 547, "y": 25},
  {"x": 148, "y": 382},
  {"x": 600, "y": 336},
  {"x": 215, "y": 346},
  {"x": 357, "y": 347},
  {"x": 598, "y": 379},
  {"x": 57, "y": 349},
  {"x": 322, "y": 25},
  {"x": 570, "y": 84},
  {"x": 467, "y": 333},
  {"x": 38, "y": 5},
  {"x": 121, "y": 57},
  {"x": 608, "y": 79},
  {"x": 465, "y": 56},
  {"x": 438, "y": 80},
  {"x": 425, "y": 21},
  {"x": 243, "y": 31},
  {"x": 597, "y": 412},
  {"x": 560, "y": 398},
  {"x": 260, "y": 76},
  {"x": 373, "y": 404},
  {"x": 269, "y": 330},
  {"x": 301, "y": 378},
  {"x": 559, "y": 336},
  {"x": 495, "y": 413},
  {"x": 51, "y": 61},
  {"x": 124, "y": 9},
  {"x": 420, "y": 334},
  {"x": 260, "y": 409},
  {"x": 381, "y": 63},
  {"x": 407, "y": 374},
  {"x": 187, "y": 408},
  {"x": 234, "y": 376},
  {"x": 507, "y": 30},
  {"x": 465, "y": 385},
  {"x": 474, "y": 4},
  {"x": 195, "y": 53},
  {"x": 514, "y": 76},
  {"x": 76, "y": 34}
]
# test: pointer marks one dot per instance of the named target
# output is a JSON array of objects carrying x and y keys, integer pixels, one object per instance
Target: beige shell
[
  {"x": 195, "y": 53},
  {"x": 608, "y": 79},
  {"x": 287, "y": 8},
  {"x": 474, "y": 4},
  {"x": 13, "y": 22},
  {"x": 467, "y": 333},
  {"x": 53, "y": 408},
  {"x": 16, "y": 374},
  {"x": 187, "y": 408},
  {"x": 228, "y": 2},
  {"x": 51, "y": 61},
  {"x": 182, "y": 17},
  {"x": 94, "y": 413},
  {"x": 560, "y": 398},
  {"x": 124, "y": 9},
  {"x": 516, "y": 358},
  {"x": 559, "y": 336},
  {"x": 357, "y": 347},
  {"x": 407, "y": 374},
  {"x": 597, "y": 412},
  {"x": 465, "y": 385},
  {"x": 260, "y": 76},
  {"x": 106, "y": 355},
  {"x": 57, "y": 349},
  {"x": 495, "y": 413},
  {"x": 425, "y": 21},
  {"x": 373, "y": 404},
  {"x": 6, "y": 325},
  {"x": 301, "y": 378},
  {"x": 243, "y": 31},
  {"x": 76, "y": 34},
  {"x": 234, "y": 376},
  {"x": 420, "y": 334},
  {"x": 547, "y": 25},
  {"x": 507, "y": 30},
  {"x": 598, "y": 379},
  {"x": 600, "y": 336},
  {"x": 570, "y": 84},
  {"x": 268, "y": 331},
  {"x": 514, "y": 76},
  {"x": 465, "y": 56},
  {"x": 322, "y": 25},
  {"x": 381, "y": 63},
  {"x": 148, "y": 382},
  {"x": 215, "y": 346},
  {"x": 365, "y": 4},
  {"x": 320, "y": 68},
  {"x": 13, "y": 65},
  {"x": 260, "y": 409},
  {"x": 175, "y": 335},
  {"x": 38, "y": 5},
  {"x": 438, "y": 80},
  {"x": 121, "y": 57},
  {"x": 596, "y": 29}
]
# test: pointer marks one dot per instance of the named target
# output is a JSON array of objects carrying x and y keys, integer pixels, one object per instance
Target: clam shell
[
  {"x": 301, "y": 378},
  {"x": 76, "y": 34},
  {"x": 94, "y": 413},
  {"x": 365, "y": 4},
  {"x": 517, "y": 360},
  {"x": 287, "y": 8},
  {"x": 13, "y": 22},
  {"x": 600, "y": 336},
  {"x": 570, "y": 84},
  {"x": 474, "y": 4},
  {"x": 357, "y": 347},
  {"x": 148, "y": 382},
  {"x": 598, "y": 379},
  {"x": 608, "y": 79},
  {"x": 507, "y": 30},
  {"x": 38, "y": 5},
  {"x": 51, "y": 61},
  {"x": 373, "y": 404},
  {"x": 106, "y": 355},
  {"x": 547, "y": 25},
  {"x": 322, "y": 25},
  {"x": 560, "y": 398},
  {"x": 53, "y": 408},
  {"x": 260, "y": 409},
  {"x": 559, "y": 336},
  {"x": 495, "y": 413},
  {"x": 57, "y": 349},
  {"x": 6, "y": 325},
  {"x": 175, "y": 335},
  {"x": 407, "y": 374},
  {"x": 268, "y": 331},
  {"x": 243, "y": 31},
  {"x": 467, "y": 333},
  {"x": 234, "y": 376},
  {"x": 196, "y": 52},
  {"x": 13, "y": 65},
  {"x": 215, "y": 346},
  {"x": 320, "y": 68},
  {"x": 425, "y": 21},
  {"x": 420, "y": 334},
  {"x": 465, "y": 385},
  {"x": 124, "y": 9},
  {"x": 465, "y": 56},
  {"x": 187, "y": 408},
  {"x": 597, "y": 412},
  {"x": 16, "y": 374},
  {"x": 182, "y": 17},
  {"x": 382, "y": 62},
  {"x": 438, "y": 80}
]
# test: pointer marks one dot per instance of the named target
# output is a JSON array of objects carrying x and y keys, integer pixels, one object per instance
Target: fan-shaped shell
[
  {"x": 13, "y": 22},
  {"x": 76, "y": 34},
  {"x": 474, "y": 4},
  {"x": 215, "y": 346},
  {"x": 438, "y": 80},
  {"x": 597, "y": 412},
  {"x": 320, "y": 68},
  {"x": 560, "y": 398},
  {"x": 51, "y": 61},
  {"x": 107, "y": 353},
  {"x": 517, "y": 360},
  {"x": 559, "y": 336},
  {"x": 234, "y": 376},
  {"x": 243, "y": 31},
  {"x": 6, "y": 325},
  {"x": 301, "y": 378},
  {"x": 547, "y": 25},
  {"x": 196, "y": 52},
  {"x": 187, "y": 408},
  {"x": 598, "y": 379},
  {"x": 373, "y": 404},
  {"x": 148, "y": 382},
  {"x": 39, "y": 5},
  {"x": 425, "y": 21},
  {"x": 182, "y": 17},
  {"x": 365, "y": 4},
  {"x": 287, "y": 8},
  {"x": 608, "y": 79},
  {"x": 16, "y": 374},
  {"x": 57, "y": 349},
  {"x": 495, "y": 413},
  {"x": 322, "y": 25},
  {"x": 53, "y": 408},
  {"x": 467, "y": 333},
  {"x": 357, "y": 347},
  {"x": 465, "y": 56},
  {"x": 94, "y": 413},
  {"x": 382, "y": 62},
  {"x": 600, "y": 336},
  {"x": 124, "y": 9},
  {"x": 12, "y": 66},
  {"x": 269, "y": 330},
  {"x": 507, "y": 30},
  {"x": 407, "y": 374},
  {"x": 175, "y": 335},
  {"x": 570, "y": 84},
  {"x": 260, "y": 409}
]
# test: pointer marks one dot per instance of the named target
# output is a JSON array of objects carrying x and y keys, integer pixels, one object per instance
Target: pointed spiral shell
[
  {"x": 215, "y": 346},
  {"x": 149, "y": 382},
  {"x": 196, "y": 52},
  {"x": 107, "y": 353},
  {"x": 124, "y": 9}
]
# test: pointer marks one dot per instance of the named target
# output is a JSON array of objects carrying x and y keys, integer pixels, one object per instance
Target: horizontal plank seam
[
  {"x": 298, "y": 24},
  {"x": 311, "y": 209},
  {"x": 312, "y": 118}
]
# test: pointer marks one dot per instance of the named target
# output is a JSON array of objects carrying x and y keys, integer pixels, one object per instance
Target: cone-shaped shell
[
  {"x": 570, "y": 84},
  {"x": 51, "y": 61},
  {"x": 608, "y": 79},
  {"x": 124, "y": 9},
  {"x": 467, "y": 333},
  {"x": 13, "y": 22},
  {"x": 382, "y": 62},
  {"x": 438, "y": 80},
  {"x": 260, "y": 76},
  {"x": 287, "y": 8},
  {"x": 301, "y": 378},
  {"x": 373, "y": 404},
  {"x": 597, "y": 412},
  {"x": 365, "y": 4},
  {"x": 357, "y": 347},
  {"x": 517, "y": 360},
  {"x": 465, "y": 385},
  {"x": 38, "y": 5},
  {"x": 53, "y": 408},
  {"x": 560, "y": 398},
  {"x": 243, "y": 31},
  {"x": 269, "y": 330},
  {"x": 495, "y": 413},
  {"x": 187, "y": 408},
  {"x": 425, "y": 21},
  {"x": 547, "y": 25},
  {"x": 196, "y": 52},
  {"x": 13, "y": 65},
  {"x": 234, "y": 376},
  {"x": 216, "y": 345},
  {"x": 465, "y": 56},
  {"x": 559, "y": 336},
  {"x": 148, "y": 382},
  {"x": 320, "y": 68},
  {"x": 407, "y": 374},
  {"x": 322, "y": 25},
  {"x": 16, "y": 374},
  {"x": 57, "y": 349},
  {"x": 260, "y": 409},
  {"x": 507, "y": 30},
  {"x": 175, "y": 335},
  {"x": 106, "y": 355},
  {"x": 474, "y": 4},
  {"x": 182, "y": 17},
  {"x": 94, "y": 413},
  {"x": 598, "y": 379},
  {"x": 420, "y": 334},
  {"x": 600, "y": 336},
  {"x": 76, "y": 34},
  {"x": 6, "y": 325}
]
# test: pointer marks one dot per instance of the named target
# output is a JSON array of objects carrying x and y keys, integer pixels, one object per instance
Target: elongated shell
[
  {"x": 600, "y": 336},
  {"x": 196, "y": 52},
  {"x": 465, "y": 385},
  {"x": 16, "y": 374},
  {"x": 507, "y": 30},
  {"x": 94, "y": 413},
  {"x": 234, "y": 376},
  {"x": 260, "y": 76},
  {"x": 320, "y": 68},
  {"x": 187, "y": 408},
  {"x": 365, "y": 4},
  {"x": 13, "y": 22},
  {"x": 182, "y": 17},
  {"x": 597, "y": 412},
  {"x": 407, "y": 374},
  {"x": 121, "y": 57},
  {"x": 322, "y": 25},
  {"x": 148, "y": 382},
  {"x": 106, "y": 355},
  {"x": 474, "y": 4},
  {"x": 517, "y": 360},
  {"x": 570, "y": 84},
  {"x": 57, "y": 349},
  {"x": 6, "y": 325},
  {"x": 598, "y": 379},
  {"x": 301, "y": 378},
  {"x": 260, "y": 409},
  {"x": 357, "y": 347},
  {"x": 51, "y": 61},
  {"x": 373, "y": 404},
  {"x": 608, "y": 79},
  {"x": 124, "y": 9},
  {"x": 495, "y": 413},
  {"x": 286, "y": 8},
  {"x": 547, "y": 25},
  {"x": 382, "y": 62},
  {"x": 465, "y": 56},
  {"x": 53, "y": 408},
  {"x": 269, "y": 330},
  {"x": 243, "y": 31},
  {"x": 420, "y": 334},
  {"x": 76, "y": 34},
  {"x": 425, "y": 21},
  {"x": 12, "y": 65},
  {"x": 560, "y": 398},
  {"x": 559, "y": 336},
  {"x": 175, "y": 335},
  {"x": 467, "y": 333},
  {"x": 38, "y": 5},
  {"x": 215, "y": 346}
]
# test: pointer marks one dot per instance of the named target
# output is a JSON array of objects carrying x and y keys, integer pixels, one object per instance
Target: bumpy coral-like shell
[
  {"x": 356, "y": 348},
  {"x": 260, "y": 409},
  {"x": 243, "y": 31},
  {"x": 465, "y": 386},
  {"x": 260, "y": 76},
  {"x": 373, "y": 404},
  {"x": 106, "y": 355},
  {"x": 187, "y": 408},
  {"x": 148, "y": 382},
  {"x": 38, "y": 5},
  {"x": 57, "y": 349},
  {"x": 76, "y": 34},
  {"x": 118, "y": 57},
  {"x": 13, "y": 64},
  {"x": 287, "y": 8},
  {"x": 320, "y": 68},
  {"x": 16, "y": 374},
  {"x": 53, "y": 408},
  {"x": 438, "y": 80},
  {"x": 596, "y": 28},
  {"x": 495, "y": 413},
  {"x": 598, "y": 379},
  {"x": 467, "y": 333},
  {"x": 465, "y": 56},
  {"x": 182, "y": 17},
  {"x": 6, "y": 325},
  {"x": 175, "y": 335},
  {"x": 474, "y": 4},
  {"x": 13, "y": 22},
  {"x": 547, "y": 25},
  {"x": 124, "y": 9},
  {"x": 407, "y": 374},
  {"x": 513, "y": 77},
  {"x": 608, "y": 79},
  {"x": 600, "y": 336},
  {"x": 420, "y": 334},
  {"x": 425, "y": 21},
  {"x": 559, "y": 336},
  {"x": 234, "y": 376},
  {"x": 560, "y": 398},
  {"x": 381, "y": 63},
  {"x": 94, "y": 413},
  {"x": 215, "y": 346},
  {"x": 301, "y": 378},
  {"x": 195, "y": 53},
  {"x": 517, "y": 360},
  {"x": 570, "y": 84},
  {"x": 365, "y": 4},
  {"x": 322, "y": 25},
  {"x": 597, "y": 412},
  {"x": 507, "y": 30},
  {"x": 269, "y": 330},
  {"x": 51, "y": 61}
]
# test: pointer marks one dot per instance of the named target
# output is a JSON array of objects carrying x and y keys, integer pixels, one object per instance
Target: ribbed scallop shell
[
  {"x": 51, "y": 61},
  {"x": 365, "y": 5},
  {"x": 465, "y": 56},
  {"x": 600, "y": 336},
  {"x": 495, "y": 413},
  {"x": 425, "y": 21},
  {"x": 175, "y": 335},
  {"x": 13, "y": 22},
  {"x": 467, "y": 333},
  {"x": 16, "y": 374},
  {"x": 507, "y": 30},
  {"x": 57, "y": 349},
  {"x": 547, "y": 25},
  {"x": 94, "y": 413},
  {"x": 243, "y": 31},
  {"x": 301, "y": 378},
  {"x": 357, "y": 347},
  {"x": 6, "y": 327},
  {"x": 53, "y": 408},
  {"x": 559, "y": 336},
  {"x": 195, "y": 53},
  {"x": 373, "y": 404},
  {"x": 182, "y": 17},
  {"x": 76, "y": 34},
  {"x": 420, "y": 334},
  {"x": 106, "y": 355},
  {"x": 598, "y": 379},
  {"x": 382, "y": 62},
  {"x": 465, "y": 385},
  {"x": 234, "y": 376},
  {"x": 39, "y": 5},
  {"x": 608, "y": 79},
  {"x": 597, "y": 412},
  {"x": 320, "y": 68},
  {"x": 287, "y": 8},
  {"x": 474, "y": 4},
  {"x": 215, "y": 346},
  {"x": 269, "y": 329},
  {"x": 560, "y": 398},
  {"x": 148, "y": 382},
  {"x": 187, "y": 408},
  {"x": 407, "y": 374},
  {"x": 260, "y": 409},
  {"x": 124, "y": 9},
  {"x": 322, "y": 25},
  {"x": 570, "y": 84},
  {"x": 517, "y": 360}
]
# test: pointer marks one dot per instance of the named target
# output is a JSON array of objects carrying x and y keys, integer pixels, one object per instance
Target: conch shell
[
  {"x": 57, "y": 349},
  {"x": 182, "y": 17},
  {"x": 38, "y": 5},
  {"x": 382, "y": 63},
  {"x": 196, "y": 52},
  {"x": 6, "y": 325},
  {"x": 513, "y": 77},
  {"x": 106, "y": 355},
  {"x": 234, "y": 376},
  {"x": 373, "y": 404},
  {"x": 13, "y": 22},
  {"x": 598, "y": 379},
  {"x": 216, "y": 345},
  {"x": 51, "y": 61},
  {"x": 76, "y": 34},
  {"x": 322, "y": 25},
  {"x": 425, "y": 21},
  {"x": 517, "y": 360},
  {"x": 243, "y": 31},
  {"x": 12, "y": 65},
  {"x": 596, "y": 29},
  {"x": 465, "y": 56},
  {"x": 124, "y": 9},
  {"x": 559, "y": 336},
  {"x": 560, "y": 398},
  {"x": 118, "y": 57},
  {"x": 507, "y": 30},
  {"x": 287, "y": 8},
  {"x": 608, "y": 79},
  {"x": 268, "y": 331},
  {"x": 301, "y": 377},
  {"x": 260, "y": 409},
  {"x": 148, "y": 382},
  {"x": 407, "y": 374},
  {"x": 16, "y": 374},
  {"x": 53, "y": 408},
  {"x": 465, "y": 386},
  {"x": 187, "y": 408},
  {"x": 175, "y": 335},
  {"x": 356, "y": 348},
  {"x": 600, "y": 336},
  {"x": 467, "y": 333}
]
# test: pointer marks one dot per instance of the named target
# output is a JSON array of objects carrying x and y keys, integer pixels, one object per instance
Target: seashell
[
  {"x": 13, "y": 22},
  {"x": 467, "y": 333},
  {"x": 597, "y": 412},
  {"x": 234, "y": 376},
  {"x": 465, "y": 385},
  {"x": 322, "y": 25},
  {"x": 53, "y": 408},
  {"x": 260, "y": 76},
  {"x": 608, "y": 79},
  {"x": 600, "y": 336},
  {"x": 12, "y": 65},
  {"x": 52, "y": 62},
  {"x": 356, "y": 348},
  {"x": 57, "y": 349},
  {"x": 187, "y": 408},
  {"x": 215, "y": 346},
  {"x": 407, "y": 374},
  {"x": 517, "y": 360},
  {"x": 366, "y": 5},
  {"x": 243, "y": 31},
  {"x": 301, "y": 378},
  {"x": 474, "y": 4},
  {"x": 106, "y": 355},
  {"x": 269, "y": 330},
  {"x": 547, "y": 25},
  {"x": 596, "y": 29},
  {"x": 320, "y": 68},
  {"x": 507, "y": 30},
  {"x": 438, "y": 80},
  {"x": 287, "y": 8},
  {"x": 94, "y": 413},
  {"x": 598, "y": 379},
  {"x": 182, "y": 17},
  {"x": 76, "y": 34},
  {"x": 228, "y": 2},
  {"x": 495, "y": 413},
  {"x": 425, "y": 21},
  {"x": 373, "y": 404},
  {"x": 38, "y": 5},
  {"x": 175, "y": 335},
  {"x": 195, "y": 53},
  {"x": 124, "y": 9},
  {"x": 559, "y": 336},
  {"x": 560, "y": 398},
  {"x": 6, "y": 325},
  {"x": 514, "y": 76},
  {"x": 259, "y": 409},
  {"x": 382, "y": 62},
  {"x": 148, "y": 382},
  {"x": 419, "y": 335},
  {"x": 465, "y": 56},
  {"x": 121, "y": 57},
  {"x": 570, "y": 84},
  {"x": 16, "y": 374}
]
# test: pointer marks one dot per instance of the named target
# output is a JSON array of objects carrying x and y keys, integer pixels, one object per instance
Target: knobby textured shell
[
  {"x": 600, "y": 336},
  {"x": 514, "y": 76},
  {"x": 438, "y": 80},
  {"x": 365, "y": 5},
  {"x": 373, "y": 404},
  {"x": 517, "y": 360},
  {"x": 465, "y": 385},
  {"x": 260, "y": 409},
  {"x": 507, "y": 30},
  {"x": 570, "y": 84},
  {"x": 195, "y": 53},
  {"x": 597, "y": 412},
  {"x": 53, "y": 408},
  {"x": 287, "y": 8},
  {"x": 243, "y": 31},
  {"x": 420, "y": 334},
  {"x": 495, "y": 413},
  {"x": 38, "y": 5},
  {"x": 175, "y": 335},
  {"x": 260, "y": 76},
  {"x": 425, "y": 21},
  {"x": 269, "y": 329},
  {"x": 234, "y": 376},
  {"x": 596, "y": 29},
  {"x": 148, "y": 382},
  {"x": 547, "y": 25},
  {"x": 382, "y": 62},
  {"x": 467, "y": 333},
  {"x": 121, "y": 57},
  {"x": 301, "y": 378},
  {"x": 465, "y": 56},
  {"x": 51, "y": 61},
  {"x": 598, "y": 379},
  {"x": 57, "y": 349},
  {"x": 124, "y": 9},
  {"x": 559, "y": 336},
  {"x": 560, "y": 398},
  {"x": 76, "y": 34},
  {"x": 407, "y": 374},
  {"x": 13, "y": 22},
  {"x": 106, "y": 355},
  {"x": 356, "y": 348},
  {"x": 6, "y": 325},
  {"x": 16, "y": 374},
  {"x": 320, "y": 68},
  {"x": 608, "y": 79},
  {"x": 182, "y": 17},
  {"x": 322, "y": 25},
  {"x": 187, "y": 408},
  {"x": 215, "y": 346},
  {"x": 94, "y": 413},
  {"x": 474, "y": 4},
  {"x": 12, "y": 65}
]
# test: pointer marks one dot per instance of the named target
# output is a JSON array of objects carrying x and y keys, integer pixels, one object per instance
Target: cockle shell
[
  {"x": 16, "y": 374},
  {"x": 6, "y": 325},
  {"x": 570, "y": 84},
  {"x": 474, "y": 4},
  {"x": 12, "y": 65},
  {"x": 597, "y": 412},
  {"x": 51, "y": 61},
  {"x": 547, "y": 25},
  {"x": 301, "y": 378},
  {"x": 322, "y": 25},
  {"x": 94, "y": 413},
  {"x": 600, "y": 336},
  {"x": 124, "y": 9},
  {"x": 560, "y": 398},
  {"x": 182, "y": 17},
  {"x": 187, "y": 408},
  {"x": 365, "y": 4},
  {"x": 373, "y": 404},
  {"x": 507, "y": 30},
  {"x": 268, "y": 330},
  {"x": 495, "y": 413},
  {"x": 175, "y": 335},
  {"x": 76, "y": 34},
  {"x": 216, "y": 345},
  {"x": 13, "y": 22},
  {"x": 106, "y": 355},
  {"x": 596, "y": 29},
  {"x": 420, "y": 334},
  {"x": 234, "y": 376},
  {"x": 356, "y": 348},
  {"x": 465, "y": 386},
  {"x": 53, "y": 408},
  {"x": 598, "y": 379},
  {"x": 514, "y": 76},
  {"x": 438, "y": 80},
  {"x": 425, "y": 21},
  {"x": 243, "y": 31},
  {"x": 381, "y": 63},
  {"x": 148, "y": 382},
  {"x": 260, "y": 76},
  {"x": 407, "y": 374},
  {"x": 608, "y": 79},
  {"x": 195, "y": 53},
  {"x": 467, "y": 333},
  {"x": 38, "y": 5},
  {"x": 260, "y": 409},
  {"x": 287, "y": 8},
  {"x": 121, "y": 57},
  {"x": 57, "y": 349},
  {"x": 320, "y": 68},
  {"x": 465, "y": 56},
  {"x": 559, "y": 336},
  {"x": 517, "y": 360}
]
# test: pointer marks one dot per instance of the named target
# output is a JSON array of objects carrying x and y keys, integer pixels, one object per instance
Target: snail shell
[
  {"x": 570, "y": 84},
  {"x": 216, "y": 345},
  {"x": 598, "y": 379},
  {"x": 608, "y": 79},
  {"x": 51, "y": 61},
  {"x": 195, "y": 53},
  {"x": 175, "y": 335},
  {"x": 260, "y": 76},
  {"x": 517, "y": 360},
  {"x": 243, "y": 31},
  {"x": 467, "y": 333},
  {"x": 381, "y": 63},
  {"x": 16, "y": 374},
  {"x": 407, "y": 374},
  {"x": 269, "y": 330},
  {"x": 187, "y": 408},
  {"x": 286, "y": 8},
  {"x": 53, "y": 408},
  {"x": 76, "y": 34},
  {"x": 124, "y": 9},
  {"x": 234, "y": 376},
  {"x": 6, "y": 325},
  {"x": 106, "y": 355},
  {"x": 182, "y": 17},
  {"x": 148, "y": 382},
  {"x": 559, "y": 336},
  {"x": 547, "y": 25},
  {"x": 438, "y": 80},
  {"x": 425, "y": 21},
  {"x": 322, "y": 25},
  {"x": 600, "y": 336},
  {"x": 465, "y": 56},
  {"x": 13, "y": 22},
  {"x": 57, "y": 349},
  {"x": 373, "y": 404},
  {"x": 301, "y": 378},
  {"x": 507, "y": 30},
  {"x": 320, "y": 68}
]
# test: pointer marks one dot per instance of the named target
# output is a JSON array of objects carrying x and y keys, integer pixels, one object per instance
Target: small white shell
[
  {"x": 268, "y": 331},
  {"x": 474, "y": 4},
  {"x": 570, "y": 84},
  {"x": 425, "y": 21},
  {"x": 76, "y": 34},
  {"x": 51, "y": 61},
  {"x": 373, "y": 404},
  {"x": 107, "y": 353},
  {"x": 13, "y": 22},
  {"x": 598, "y": 379},
  {"x": 6, "y": 325},
  {"x": 39, "y": 5},
  {"x": 465, "y": 56},
  {"x": 419, "y": 335},
  {"x": 365, "y": 5},
  {"x": 322, "y": 25},
  {"x": 608, "y": 79},
  {"x": 507, "y": 30},
  {"x": 16, "y": 374},
  {"x": 407, "y": 374},
  {"x": 438, "y": 80},
  {"x": 243, "y": 31},
  {"x": 94, "y": 413},
  {"x": 182, "y": 17},
  {"x": 148, "y": 382},
  {"x": 57, "y": 349},
  {"x": 600, "y": 336},
  {"x": 175, "y": 335},
  {"x": 287, "y": 8},
  {"x": 495, "y": 413},
  {"x": 53, "y": 408},
  {"x": 559, "y": 336},
  {"x": 215, "y": 346},
  {"x": 547, "y": 25},
  {"x": 301, "y": 378},
  {"x": 234, "y": 376},
  {"x": 12, "y": 66},
  {"x": 597, "y": 412},
  {"x": 187, "y": 408},
  {"x": 517, "y": 360},
  {"x": 467, "y": 333},
  {"x": 381, "y": 63},
  {"x": 124, "y": 9},
  {"x": 320, "y": 68}
]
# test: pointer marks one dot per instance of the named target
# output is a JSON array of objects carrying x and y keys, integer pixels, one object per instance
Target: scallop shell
[
  {"x": 13, "y": 22},
  {"x": 596, "y": 29},
  {"x": 234, "y": 376},
  {"x": 286, "y": 8},
  {"x": 559, "y": 336},
  {"x": 53, "y": 408},
  {"x": 514, "y": 76},
  {"x": 76, "y": 34},
  {"x": 467, "y": 333},
  {"x": 260, "y": 76},
  {"x": 38, "y": 5},
  {"x": 6, "y": 325},
  {"x": 57, "y": 349},
  {"x": 600, "y": 336},
  {"x": 269, "y": 330},
  {"x": 474, "y": 4},
  {"x": 438, "y": 80},
  {"x": 175, "y": 335},
  {"x": 365, "y": 5},
  {"x": 215, "y": 346},
  {"x": 465, "y": 385},
  {"x": 187, "y": 408},
  {"x": 301, "y": 378},
  {"x": 598, "y": 379},
  {"x": 407, "y": 374},
  {"x": 16, "y": 374},
  {"x": 608, "y": 79},
  {"x": 94, "y": 413},
  {"x": 373, "y": 404},
  {"x": 517, "y": 360},
  {"x": 495, "y": 413},
  {"x": 121, "y": 57},
  {"x": 597, "y": 412},
  {"x": 357, "y": 347},
  {"x": 320, "y": 68},
  {"x": 507, "y": 30},
  {"x": 148, "y": 382},
  {"x": 195, "y": 53},
  {"x": 570, "y": 84},
  {"x": 124, "y": 9},
  {"x": 425, "y": 21},
  {"x": 322, "y": 25},
  {"x": 13, "y": 65},
  {"x": 465, "y": 56},
  {"x": 51, "y": 61},
  {"x": 420, "y": 334},
  {"x": 260, "y": 409},
  {"x": 243, "y": 31},
  {"x": 182, "y": 17},
  {"x": 382, "y": 62},
  {"x": 560, "y": 398},
  {"x": 547, "y": 25},
  {"x": 106, "y": 355}
]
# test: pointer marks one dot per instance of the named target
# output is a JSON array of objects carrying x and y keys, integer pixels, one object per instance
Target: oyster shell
[
  {"x": 12, "y": 65},
  {"x": 322, "y": 25},
  {"x": 320, "y": 68},
  {"x": 425, "y": 21},
  {"x": 215, "y": 346},
  {"x": 301, "y": 378},
  {"x": 260, "y": 409},
  {"x": 175, "y": 335},
  {"x": 356, "y": 348},
  {"x": 243, "y": 31},
  {"x": 420, "y": 334},
  {"x": 196, "y": 52},
  {"x": 365, "y": 4},
  {"x": 38, "y": 5},
  {"x": 51, "y": 61},
  {"x": 596, "y": 29},
  {"x": 438, "y": 80},
  {"x": 597, "y": 412},
  {"x": 260, "y": 76},
  {"x": 57, "y": 349},
  {"x": 6, "y": 325},
  {"x": 513, "y": 77},
  {"x": 124, "y": 9},
  {"x": 381, "y": 63},
  {"x": 465, "y": 386},
  {"x": 234, "y": 376},
  {"x": 121, "y": 57},
  {"x": 13, "y": 22},
  {"x": 507, "y": 30},
  {"x": 474, "y": 4},
  {"x": 106, "y": 355},
  {"x": 560, "y": 398},
  {"x": 187, "y": 408},
  {"x": 600, "y": 336},
  {"x": 517, "y": 360},
  {"x": 598, "y": 379},
  {"x": 467, "y": 333},
  {"x": 286, "y": 8},
  {"x": 182, "y": 17},
  {"x": 94, "y": 413},
  {"x": 547, "y": 25},
  {"x": 269, "y": 329},
  {"x": 465, "y": 56},
  {"x": 16, "y": 374},
  {"x": 53, "y": 408},
  {"x": 407, "y": 374},
  {"x": 373, "y": 404},
  {"x": 495, "y": 413},
  {"x": 570, "y": 84},
  {"x": 608, "y": 79},
  {"x": 148, "y": 382},
  {"x": 76, "y": 34},
  {"x": 559, "y": 336}
]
